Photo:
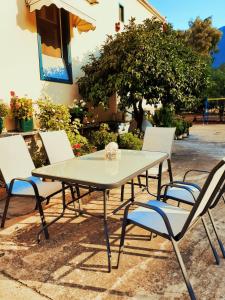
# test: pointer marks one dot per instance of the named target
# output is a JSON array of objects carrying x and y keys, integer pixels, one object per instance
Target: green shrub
[
  {"x": 4, "y": 109},
  {"x": 129, "y": 141},
  {"x": 37, "y": 153},
  {"x": 102, "y": 137},
  {"x": 53, "y": 116},
  {"x": 163, "y": 117},
  {"x": 180, "y": 127}
]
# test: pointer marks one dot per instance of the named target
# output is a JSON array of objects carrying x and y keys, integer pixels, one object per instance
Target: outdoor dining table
[{"x": 102, "y": 174}]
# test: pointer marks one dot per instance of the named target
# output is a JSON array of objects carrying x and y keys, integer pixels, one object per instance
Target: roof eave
[{"x": 152, "y": 10}]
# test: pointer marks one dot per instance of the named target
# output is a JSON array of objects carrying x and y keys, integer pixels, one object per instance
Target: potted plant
[
  {"x": 22, "y": 111},
  {"x": 4, "y": 110}
]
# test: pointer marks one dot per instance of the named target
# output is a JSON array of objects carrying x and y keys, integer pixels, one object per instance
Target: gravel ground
[{"x": 73, "y": 265}]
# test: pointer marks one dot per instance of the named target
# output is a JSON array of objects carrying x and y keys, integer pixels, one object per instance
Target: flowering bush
[
  {"x": 21, "y": 108},
  {"x": 76, "y": 149},
  {"x": 102, "y": 137},
  {"x": 54, "y": 116},
  {"x": 78, "y": 109},
  {"x": 4, "y": 109}
]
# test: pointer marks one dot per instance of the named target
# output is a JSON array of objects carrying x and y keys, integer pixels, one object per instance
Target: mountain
[{"x": 219, "y": 57}]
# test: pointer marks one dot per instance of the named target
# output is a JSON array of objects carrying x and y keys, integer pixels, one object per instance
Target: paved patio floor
[{"x": 73, "y": 264}]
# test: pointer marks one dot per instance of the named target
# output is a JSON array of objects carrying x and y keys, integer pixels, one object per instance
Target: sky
[{"x": 180, "y": 12}]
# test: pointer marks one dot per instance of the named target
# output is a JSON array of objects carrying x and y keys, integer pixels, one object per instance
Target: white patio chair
[
  {"x": 157, "y": 139},
  {"x": 58, "y": 148},
  {"x": 187, "y": 192},
  {"x": 16, "y": 166},
  {"x": 172, "y": 222}
]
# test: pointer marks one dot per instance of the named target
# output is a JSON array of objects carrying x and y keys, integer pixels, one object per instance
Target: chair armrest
[
  {"x": 33, "y": 184},
  {"x": 156, "y": 209},
  {"x": 166, "y": 186},
  {"x": 194, "y": 170},
  {"x": 188, "y": 183}
]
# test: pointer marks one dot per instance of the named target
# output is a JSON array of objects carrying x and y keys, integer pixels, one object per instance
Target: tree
[
  {"x": 217, "y": 82},
  {"x": 202, "y": 36},
  {"x": 217, "y": 88},
  {"x": 144, "y": 62}
]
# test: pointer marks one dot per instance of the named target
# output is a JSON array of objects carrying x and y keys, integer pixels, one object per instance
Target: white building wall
[
  {"x": 19, "y": 63},
  {"x": 106, "y": 14}
]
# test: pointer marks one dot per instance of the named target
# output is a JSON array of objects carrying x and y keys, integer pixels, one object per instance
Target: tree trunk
[{"x": 138, "y": 114}]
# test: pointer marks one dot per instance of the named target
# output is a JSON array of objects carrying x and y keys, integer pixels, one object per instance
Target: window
[
  {"x": 54, "y": 44},
  {"x": 121, "y": 13}
]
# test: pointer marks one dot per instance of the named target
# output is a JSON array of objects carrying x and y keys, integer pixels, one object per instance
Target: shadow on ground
[{"x": 72, "y": 264}]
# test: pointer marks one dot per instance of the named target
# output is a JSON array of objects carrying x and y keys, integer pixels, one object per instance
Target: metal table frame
[{"x": 104, "y": 188}]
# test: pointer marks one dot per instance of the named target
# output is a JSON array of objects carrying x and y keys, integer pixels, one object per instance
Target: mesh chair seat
[
  {"x": 45, "y": 189},
  {"x": 182, "y": 194},
  {"x": 151, "y": 219}
]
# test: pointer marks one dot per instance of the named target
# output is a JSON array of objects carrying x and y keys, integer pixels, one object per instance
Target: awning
[{"x": 78, "y": 8}]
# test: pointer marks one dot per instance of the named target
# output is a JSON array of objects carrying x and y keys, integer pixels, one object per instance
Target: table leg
[
  {"x": 132, "y": 190},
  {"x": 106, "y": 231}
]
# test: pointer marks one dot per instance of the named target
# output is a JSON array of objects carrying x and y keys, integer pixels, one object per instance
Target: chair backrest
[
  {"x": 218, "y": 196},
  {"x": 159, "y": 139},
  {"x": 208, "y": 194},
  {"x": 15, "y": 159},
  {"x": 57, "y": 146}
]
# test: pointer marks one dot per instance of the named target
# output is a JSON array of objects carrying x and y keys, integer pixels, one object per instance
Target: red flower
[
  {"x": 77, "y": 146},
  {"x": 78, "y": 154},
  {"x": 12, "y": 93}
]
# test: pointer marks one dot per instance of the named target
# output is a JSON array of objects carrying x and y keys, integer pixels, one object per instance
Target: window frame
[{"x": 64, "y": 22}]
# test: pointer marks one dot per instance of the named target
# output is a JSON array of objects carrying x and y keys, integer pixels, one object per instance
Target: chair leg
[
  {"x": 5, "y": 211},
  {"x": 132, "y": 190},
  {"x": 43, "y": 222},
  {"x": 47, "y": 202},
  {"x": 216, "y": 233},
  {"x": 210, "y": 242},
  {"x": 223, "y": 198},
  {"x": 123, "y": 233},
  {"x": 122, "y": 193},
  {"x": 150, "y": 236},
  {"x": 139, "y": 181},
  {"x": 73, "y": 198},
  {"x": 159, "y": 182},
  {"x": 77, "y": 191},
  {"x": 78, "y": 196},
  {"x": 147, "y": 184},
  {"x": 170, "y": 170},
  {"x": 183, "y": 269}
]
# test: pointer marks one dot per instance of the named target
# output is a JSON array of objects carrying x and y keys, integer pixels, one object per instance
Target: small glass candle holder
[{"x": 111, "y": 151}]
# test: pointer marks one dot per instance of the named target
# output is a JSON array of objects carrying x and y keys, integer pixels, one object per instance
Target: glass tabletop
[{"x": 94, "y": 170}]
